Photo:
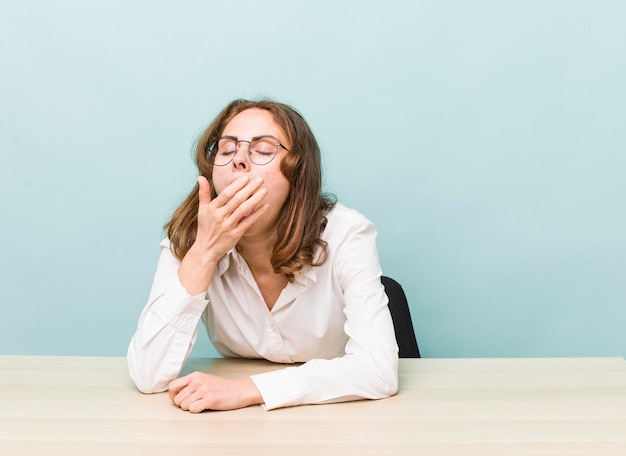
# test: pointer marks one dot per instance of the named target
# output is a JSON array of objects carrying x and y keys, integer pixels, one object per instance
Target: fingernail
[{"x": 259, "y": 180}]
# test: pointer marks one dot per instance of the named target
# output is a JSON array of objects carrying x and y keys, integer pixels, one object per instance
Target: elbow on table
[
  {"x": 389, "y": 385},
  {"x": 147, "y": 387},
  {"x": 145, "y": 382},
  {"x": 387, "y": 381}
]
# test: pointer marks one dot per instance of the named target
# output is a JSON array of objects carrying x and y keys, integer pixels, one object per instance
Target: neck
[{"x": 258, "y": 252}]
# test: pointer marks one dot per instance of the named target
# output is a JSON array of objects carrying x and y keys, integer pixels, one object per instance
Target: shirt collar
[
  {"x": 224, "y": 263},
  {"x": 306, "y": 275}
]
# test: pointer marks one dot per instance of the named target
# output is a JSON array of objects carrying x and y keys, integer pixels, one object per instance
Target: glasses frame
[{"x": 212, "y": 148}]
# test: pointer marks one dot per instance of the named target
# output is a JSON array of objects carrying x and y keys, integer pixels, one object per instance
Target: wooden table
[{"x": 89, "y": 406}]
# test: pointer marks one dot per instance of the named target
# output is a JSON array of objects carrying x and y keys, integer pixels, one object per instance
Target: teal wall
[{"x": 485, "y": 139}]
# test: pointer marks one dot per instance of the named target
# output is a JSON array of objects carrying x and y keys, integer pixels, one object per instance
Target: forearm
[
  {"x": 166, "y": 331},
  {"x": 325, "y": 381}
]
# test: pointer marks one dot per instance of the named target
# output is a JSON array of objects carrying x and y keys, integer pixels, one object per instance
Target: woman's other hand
[{"x": 199, "y": 391}]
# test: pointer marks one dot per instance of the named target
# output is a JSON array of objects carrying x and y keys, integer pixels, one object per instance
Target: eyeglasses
[{"x": 261, "y": 149}]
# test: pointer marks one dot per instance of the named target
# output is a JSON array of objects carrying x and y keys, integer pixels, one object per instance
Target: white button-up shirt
[{"x": 333, "y": 318}]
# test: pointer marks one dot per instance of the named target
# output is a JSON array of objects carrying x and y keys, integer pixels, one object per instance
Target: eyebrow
[{"x": 254, "y": 138}]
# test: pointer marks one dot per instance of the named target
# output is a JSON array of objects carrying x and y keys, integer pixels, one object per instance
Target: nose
[{"x": 241, "y": 160}]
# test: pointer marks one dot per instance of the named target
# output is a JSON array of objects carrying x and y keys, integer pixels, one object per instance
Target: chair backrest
[{"x": 401, "y": 316}]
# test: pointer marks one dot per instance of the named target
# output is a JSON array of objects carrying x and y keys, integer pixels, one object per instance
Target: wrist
[
  {"x": 196, "y": 270},
  {"x": 201, "y": 256},
  {"x": 252, "y": 394}
]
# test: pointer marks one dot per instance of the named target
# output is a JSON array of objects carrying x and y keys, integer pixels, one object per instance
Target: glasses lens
[
  {"x": 263, "y": 150},
  {"x": 225, "y": 151}
]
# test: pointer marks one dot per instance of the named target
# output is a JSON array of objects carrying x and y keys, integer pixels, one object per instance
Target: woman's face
[{"x": 245, "y": 126}]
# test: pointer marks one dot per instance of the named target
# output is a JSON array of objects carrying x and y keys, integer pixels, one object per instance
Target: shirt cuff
[{"x": 279, "y": 388}]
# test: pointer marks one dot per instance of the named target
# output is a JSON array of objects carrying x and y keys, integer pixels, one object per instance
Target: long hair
[{"x": 303, "y": 216}]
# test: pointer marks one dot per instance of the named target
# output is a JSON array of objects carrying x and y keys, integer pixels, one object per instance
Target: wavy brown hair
[{"x": 303, "y": 216}]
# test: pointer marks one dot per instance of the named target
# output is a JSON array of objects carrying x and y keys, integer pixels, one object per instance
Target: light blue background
[{"x": 485, "y": 139}]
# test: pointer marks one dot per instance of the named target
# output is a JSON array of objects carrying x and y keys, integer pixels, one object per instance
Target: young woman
[{"x": 274, "y": 270}]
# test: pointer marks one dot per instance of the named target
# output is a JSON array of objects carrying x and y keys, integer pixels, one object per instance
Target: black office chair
[{"x": 401, "y": 316}]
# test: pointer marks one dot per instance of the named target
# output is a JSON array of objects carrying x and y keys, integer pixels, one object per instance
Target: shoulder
[
  {"x": 342, "y": 215},
  {"x": 166, "y": 250},
  {"x": 341, "y": 212},
  {"x": 165, "y": 243},
  {"x": 343, "y": 221}
]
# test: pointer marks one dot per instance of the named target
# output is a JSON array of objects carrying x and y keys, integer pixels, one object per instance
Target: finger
[
  {"x": 172, "y": 393},
  {"x": 199, "y": 405},
  {"x": 235, "y": 196},
  {"x": 250, "y": 219},
  {"x": 231, "y": 190},
  {"x": 246, "y": 200},
  {"x": 184, "y": 402},
  {"x": 251, "y": 206},
  {"x": 185, "y": 396},
  {"x": 195, "y": 402},
  {"x": 204, "y": 191},
  {"x": 177, "y": 395},
  {"x": 176, "y": 386}
]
